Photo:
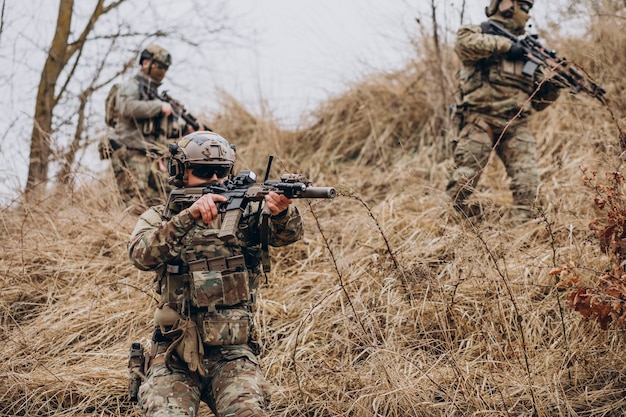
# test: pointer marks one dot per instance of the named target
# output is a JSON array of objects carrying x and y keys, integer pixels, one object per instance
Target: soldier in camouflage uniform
[
  {"x": 143, "y": 129},
  {"x": 204, "y": 346},
  {"x": 496, "y": 104}
]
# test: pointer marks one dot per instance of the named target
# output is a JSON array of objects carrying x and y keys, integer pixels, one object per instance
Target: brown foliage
[
  {"x": 390, "y": 306},
  {"x": 604, "y": 302}
]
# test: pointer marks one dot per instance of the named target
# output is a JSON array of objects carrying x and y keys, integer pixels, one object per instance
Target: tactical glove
[
  {"x": 516, "y": 52},
  {"x": 190, "y": 348},
  {"x": 187, "y": 342}
]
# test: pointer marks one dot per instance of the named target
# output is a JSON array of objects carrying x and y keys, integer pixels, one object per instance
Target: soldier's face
[
  {"x": 154, "y": 69},
  {"x": 520, "y": 14},
  {"x": 195, "y": 181}
]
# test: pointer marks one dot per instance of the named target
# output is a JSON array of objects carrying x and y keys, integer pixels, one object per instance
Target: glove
[
  {"x": 187, "y": 342},
  {"x": 516, "y": 52}
]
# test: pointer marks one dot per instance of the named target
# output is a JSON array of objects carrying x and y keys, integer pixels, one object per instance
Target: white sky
[{"x": 300, "y": 53}]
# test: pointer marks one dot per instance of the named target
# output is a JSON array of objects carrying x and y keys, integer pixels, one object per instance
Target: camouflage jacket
[
  {"x": 490, "y": 83},
  {"x": 158, "y": 242},
  {"x": 140, "y": 124}
]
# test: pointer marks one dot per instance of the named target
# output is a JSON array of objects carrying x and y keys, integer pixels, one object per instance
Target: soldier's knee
[{"x": 249, "y": 412}]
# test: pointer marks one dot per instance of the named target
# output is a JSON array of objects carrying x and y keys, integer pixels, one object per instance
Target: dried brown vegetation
[{"x": 390, "y": 306}]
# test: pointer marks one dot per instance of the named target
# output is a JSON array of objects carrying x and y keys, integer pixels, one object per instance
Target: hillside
[{"x": 391, "y": 305}]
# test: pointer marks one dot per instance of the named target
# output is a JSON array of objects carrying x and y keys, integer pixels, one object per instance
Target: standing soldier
[
  {"x": 143, "y": 127},
  {"x": 495, "y": 108},
  {"x": 203, "y": 346}
]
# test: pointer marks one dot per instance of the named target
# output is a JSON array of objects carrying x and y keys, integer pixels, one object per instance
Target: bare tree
[
  {"x": 60, "y": 53},
  {"x": 63, "y": 88}
]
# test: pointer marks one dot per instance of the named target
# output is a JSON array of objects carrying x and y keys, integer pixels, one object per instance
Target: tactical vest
[
  {"x": 215, "y": 283},
  {"x": 497, "y": 70},
  {"x": 168, "y": 127}
]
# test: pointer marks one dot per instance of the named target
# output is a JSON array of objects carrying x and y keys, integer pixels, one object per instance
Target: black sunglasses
[
  {"x": 525, "y": 6},
  {"x": 160, "y": 65},
  {"x": 207, "y": 171}
]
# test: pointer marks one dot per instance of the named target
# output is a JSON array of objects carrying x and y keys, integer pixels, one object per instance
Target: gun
[
  {"x": 567, "y": 73},
  {"x": 136, "y": 368},
  {"x": 242, "y": 190},
  {"x": 180, "y": 111}
]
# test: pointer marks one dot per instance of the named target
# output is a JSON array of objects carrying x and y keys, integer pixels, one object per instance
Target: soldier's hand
[
  {"x": 277, "y": 203},
  {"x": 166, "y": 108},
  {"x": 206, "y": 208},
  {"x": 516, "y": 52}
]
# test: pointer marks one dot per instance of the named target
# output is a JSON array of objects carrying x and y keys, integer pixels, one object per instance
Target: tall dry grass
[{"x": 390, "y": 306}]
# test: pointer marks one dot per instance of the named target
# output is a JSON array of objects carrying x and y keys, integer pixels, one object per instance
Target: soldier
[
  {"x": 143, "y": 128},
  {"x": 203, "y": 346},
  {"x": 495, "y": 108}
]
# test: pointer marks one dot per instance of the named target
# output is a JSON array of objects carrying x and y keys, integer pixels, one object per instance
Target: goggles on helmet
[
  {"x": 160, "y": 65},
  {"x": 525, "y": 6}
]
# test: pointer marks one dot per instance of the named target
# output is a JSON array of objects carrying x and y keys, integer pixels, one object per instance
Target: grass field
[{"x": 392, "y": 305}]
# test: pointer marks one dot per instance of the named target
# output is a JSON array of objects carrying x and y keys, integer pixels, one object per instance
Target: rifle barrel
[{"x": 319, "y": 192}]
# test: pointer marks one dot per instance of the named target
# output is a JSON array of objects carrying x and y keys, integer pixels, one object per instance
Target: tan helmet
[
  {"x": 156, "y": 53},
  {"x": 494, "y": 5},
  {"x": 199, "y": 149}
]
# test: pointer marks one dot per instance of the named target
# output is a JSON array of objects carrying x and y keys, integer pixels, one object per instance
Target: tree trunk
[{"x": 42, "y": 125}]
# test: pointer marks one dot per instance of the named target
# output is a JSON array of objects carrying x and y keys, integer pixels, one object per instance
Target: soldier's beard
[
  {"x": 516, "y": 24},
  {"x": 519, "y": 19},
  {"x": 153, "y": 76}
]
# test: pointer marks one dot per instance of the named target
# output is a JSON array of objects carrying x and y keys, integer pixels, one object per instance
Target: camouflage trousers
[
  {"x": 234, "y": 387},
  {"x": 141, "y": 179},
  {"x": 516, "y": 147}
]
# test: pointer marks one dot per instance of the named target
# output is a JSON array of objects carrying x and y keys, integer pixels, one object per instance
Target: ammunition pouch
[
  {"x": 511, "y": 73},
  {"x": 219, "y": 282},
  {"x": 148, "y": 127},
  {"x": 225, "y": 327},
  {"x": 218, "y": 292}
]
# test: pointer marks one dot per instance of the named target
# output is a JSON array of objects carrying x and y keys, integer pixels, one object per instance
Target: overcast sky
[
  {"x": 306, "y": 50},
  {"x": 297, "y": 54}
]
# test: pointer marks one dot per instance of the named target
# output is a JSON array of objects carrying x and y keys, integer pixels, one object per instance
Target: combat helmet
[
  {"x": 507, "y": 4},
  {"x": 203, "y": 153},
  {"x": 156, "y": 53}
]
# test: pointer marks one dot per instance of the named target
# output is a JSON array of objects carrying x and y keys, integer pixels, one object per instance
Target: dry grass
[{"x": 390, "y": 306}]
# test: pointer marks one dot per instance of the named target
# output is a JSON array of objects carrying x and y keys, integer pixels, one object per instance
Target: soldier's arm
[
  {"x": 286, "y": 227},
  {"x": 473, "y": 45},
  {"x": 156, "y": 240},
  {"x": 131, "y": 107}
]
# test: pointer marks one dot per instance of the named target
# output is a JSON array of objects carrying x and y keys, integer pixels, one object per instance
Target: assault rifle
[
  {"x": 566, "y": 73},
  {"x": 180, "y": 111},
  {"x": 242, "y": 190}
]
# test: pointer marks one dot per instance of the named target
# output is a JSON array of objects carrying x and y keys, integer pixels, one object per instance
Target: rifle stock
[
  {"x": 566, "y": 73},
  {"x": 241, "y": 191}
]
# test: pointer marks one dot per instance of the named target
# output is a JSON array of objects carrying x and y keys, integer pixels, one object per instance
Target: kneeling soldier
[{"x": 203, "y": 348}]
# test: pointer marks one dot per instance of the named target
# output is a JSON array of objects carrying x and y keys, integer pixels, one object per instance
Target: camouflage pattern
[
  {"x": 140, "y": 179},
  {"x": 143, "y": 136},
  {"x": 213, "y": 288},
  {"x": 234, "y": 384},
  {"x": 494, "y": 90},
  {"x": 224, "y": 327},
  {"x": 158, "y": 53},
  {"x": 140, "y": 124},
  {"x": 517, "y": 150}
]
